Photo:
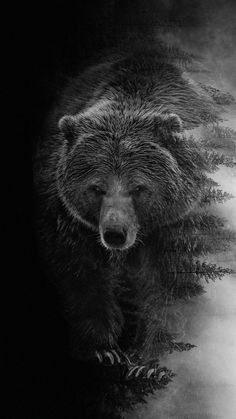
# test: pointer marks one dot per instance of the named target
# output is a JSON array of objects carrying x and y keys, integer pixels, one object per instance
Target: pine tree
[
  {"x": 182, "y": 247},
  {"x": 220, "y": 138},
  {"x": 213, "y": 195},
  {"x": 155, "y": 323},
  {"x": 221, "y": 98}
]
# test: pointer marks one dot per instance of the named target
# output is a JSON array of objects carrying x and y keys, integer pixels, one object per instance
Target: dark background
[{"x": 42, "y": 43}]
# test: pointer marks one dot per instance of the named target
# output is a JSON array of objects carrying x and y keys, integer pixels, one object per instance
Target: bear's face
[{"x": 115, "y": 177}]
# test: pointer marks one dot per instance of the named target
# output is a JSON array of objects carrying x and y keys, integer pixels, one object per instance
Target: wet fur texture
[{"x": 123, "y": 118}]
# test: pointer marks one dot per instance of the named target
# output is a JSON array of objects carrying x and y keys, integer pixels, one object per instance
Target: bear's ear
[
  {"x": 169, "y": 121},
  {"x": 67, "y": 126}
]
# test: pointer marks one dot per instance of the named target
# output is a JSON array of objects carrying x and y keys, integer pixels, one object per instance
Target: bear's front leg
[
  {"x": 94, "y": 316},
  {"x": 95, "y": 340}
]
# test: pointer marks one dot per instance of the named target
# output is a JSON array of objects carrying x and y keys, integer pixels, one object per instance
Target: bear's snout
[{"x": 118, "y": 224}]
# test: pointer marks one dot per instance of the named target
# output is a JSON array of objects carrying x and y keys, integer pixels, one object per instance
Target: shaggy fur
[{"x": 113, "y": 157}]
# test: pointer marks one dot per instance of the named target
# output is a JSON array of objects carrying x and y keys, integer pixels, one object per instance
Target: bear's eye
[
  {"x": 138, "y": 189},
  {"x": 97, "y": 190}
]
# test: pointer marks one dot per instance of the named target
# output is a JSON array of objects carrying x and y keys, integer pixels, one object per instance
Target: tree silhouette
[
  {"x": 155, "y": 326},
  {"x": 180, "y": 270}
]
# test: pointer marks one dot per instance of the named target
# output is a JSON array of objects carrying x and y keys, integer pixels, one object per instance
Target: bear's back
[{"x": 154, "y": 79}]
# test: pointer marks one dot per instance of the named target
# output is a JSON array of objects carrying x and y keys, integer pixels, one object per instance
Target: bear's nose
[{"x": 115, "y": 238}]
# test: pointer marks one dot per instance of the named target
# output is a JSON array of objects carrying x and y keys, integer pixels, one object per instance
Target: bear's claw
[
  {"x": 146, "y": 371},
  {"x": 134, "y": 370},
  {"x": 113, "y": 355}
]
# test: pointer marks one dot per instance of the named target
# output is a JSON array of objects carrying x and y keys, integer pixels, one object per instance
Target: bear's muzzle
[{"x": 118, "y": 224}]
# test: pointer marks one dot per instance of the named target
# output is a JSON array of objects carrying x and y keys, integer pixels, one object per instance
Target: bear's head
[{"x": 124, "y": 174}]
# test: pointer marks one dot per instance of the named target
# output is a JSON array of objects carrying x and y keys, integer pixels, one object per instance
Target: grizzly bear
[{"x": 113, "y": 167}]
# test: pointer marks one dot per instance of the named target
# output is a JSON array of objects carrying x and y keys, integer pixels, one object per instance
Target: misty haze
[{"x": 205, "y": 384}]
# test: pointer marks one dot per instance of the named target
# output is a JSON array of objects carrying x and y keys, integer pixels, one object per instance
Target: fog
[{"x": 205, "y": 384}]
